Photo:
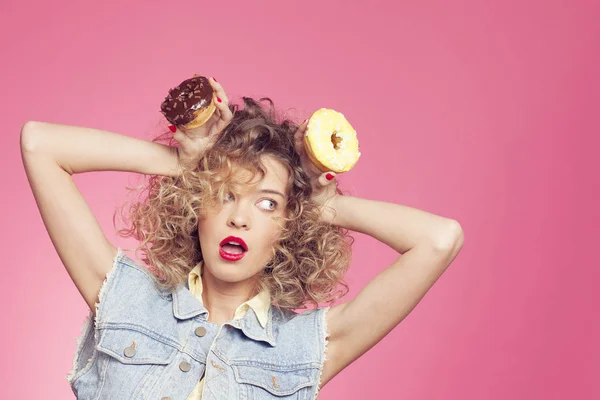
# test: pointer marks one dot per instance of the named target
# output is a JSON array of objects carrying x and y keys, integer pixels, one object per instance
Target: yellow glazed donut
[{"x": 330, "y": 141}]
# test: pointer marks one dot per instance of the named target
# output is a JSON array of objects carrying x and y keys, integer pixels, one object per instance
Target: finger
[
  {"x": 225, "y": 114},
  {"x": 323, "y": 181},
  {"x": 216, "y": 116},
  {"x": 299, "y": 137},
  {"x": 181, "y": 137},
  {"x": 219, "y": 91}
]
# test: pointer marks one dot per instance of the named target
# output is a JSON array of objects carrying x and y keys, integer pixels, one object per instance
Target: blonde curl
[{"x": 311, "y": 258}]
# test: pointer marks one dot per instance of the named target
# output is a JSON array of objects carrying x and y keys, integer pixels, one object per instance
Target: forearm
[
  {"x": 398, "y": 226},
  {"x": 81, "y": 149}
]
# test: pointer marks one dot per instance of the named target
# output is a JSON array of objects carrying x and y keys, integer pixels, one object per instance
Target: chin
[{"x": 230, "y": 272}]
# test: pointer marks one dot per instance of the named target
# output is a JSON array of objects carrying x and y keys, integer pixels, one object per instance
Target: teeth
[{"x": 236, "y": 244}]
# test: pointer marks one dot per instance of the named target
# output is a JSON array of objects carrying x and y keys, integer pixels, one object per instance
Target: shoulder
[
  {"x": 128, "y": 286},
  {"x": 285, "y": 316},
  {"x": 126, "y": 271},
  {"x": 122, "y": 260},
  {"x": 308, "y": 325}
]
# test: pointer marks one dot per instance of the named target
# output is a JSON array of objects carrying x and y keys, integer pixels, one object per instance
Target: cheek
[
  {"x": 201, "y": 228},
  {"x": 275, "y": 223},
  {"x": 205, "y": 225},
  {"x": 208, "y": 221},
  {"x": 275, "y": 236},
  {"x": 278, "y": 222},
  {"x": 268, "y": 234}
]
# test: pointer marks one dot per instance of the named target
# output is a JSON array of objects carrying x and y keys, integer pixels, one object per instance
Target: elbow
[
  {"x": 33, "y": 135},
  {"x": 450, "y": 238},
  {"x": 28, "y": 140}
]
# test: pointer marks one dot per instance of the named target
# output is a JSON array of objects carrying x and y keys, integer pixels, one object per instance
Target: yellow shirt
[{"x": 259, "y": 303}]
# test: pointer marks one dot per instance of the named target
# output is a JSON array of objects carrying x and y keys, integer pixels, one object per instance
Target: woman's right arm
[{"x": 51, "y": 153}]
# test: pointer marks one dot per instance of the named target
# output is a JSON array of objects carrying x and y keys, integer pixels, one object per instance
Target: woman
[{"x": 239, "y": 229}]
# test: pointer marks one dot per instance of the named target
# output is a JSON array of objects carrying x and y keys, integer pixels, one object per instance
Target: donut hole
[{"x": 336, "y": 140}]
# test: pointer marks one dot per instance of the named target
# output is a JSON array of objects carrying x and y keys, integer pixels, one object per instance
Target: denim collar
[{"x": 186, "y": 306}]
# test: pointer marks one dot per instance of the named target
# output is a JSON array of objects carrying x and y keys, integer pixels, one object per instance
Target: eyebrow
[{"x": 272, "y": 192}]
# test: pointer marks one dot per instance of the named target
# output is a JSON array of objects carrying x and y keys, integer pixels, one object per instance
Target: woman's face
[{"x": 253, "y": 217}]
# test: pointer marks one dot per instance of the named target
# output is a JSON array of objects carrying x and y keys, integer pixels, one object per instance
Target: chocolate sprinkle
[{"x": 197, "y": 92}]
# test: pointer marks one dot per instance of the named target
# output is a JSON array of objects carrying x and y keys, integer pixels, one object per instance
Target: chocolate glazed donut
[{"x": 190, "y": 104}]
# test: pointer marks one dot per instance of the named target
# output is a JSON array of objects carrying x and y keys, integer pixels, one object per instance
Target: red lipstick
[{"x": 233, "y": 256}]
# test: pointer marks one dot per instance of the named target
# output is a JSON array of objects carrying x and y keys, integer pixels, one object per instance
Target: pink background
[{"x": 482, "y": 111}]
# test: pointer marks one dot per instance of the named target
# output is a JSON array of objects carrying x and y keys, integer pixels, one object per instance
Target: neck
[{"x": 221, "y": 299}]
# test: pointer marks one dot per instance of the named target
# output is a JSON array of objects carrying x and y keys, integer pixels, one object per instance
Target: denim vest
[{"x": 148, "y": 344}]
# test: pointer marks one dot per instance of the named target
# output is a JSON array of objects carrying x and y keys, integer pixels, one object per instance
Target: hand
[
  {"x": 324, "y": 190},
  {"x": 194, "y": 142}
]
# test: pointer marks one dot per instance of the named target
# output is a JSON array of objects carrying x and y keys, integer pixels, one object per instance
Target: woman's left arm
[
  {"x": 400, "y": 227},
  {"x": 428, "y": 244}
]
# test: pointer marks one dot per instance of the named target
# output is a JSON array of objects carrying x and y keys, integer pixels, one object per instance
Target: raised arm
[
  {"x": 428, "y": 244},
  {"x": 51, "y": 153}
]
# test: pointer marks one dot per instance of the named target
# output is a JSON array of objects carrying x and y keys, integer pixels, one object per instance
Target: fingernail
[
  {"x": 215, "y": 79},
  {"x": 172, "y": 128},
  {"x": 218, "y": 99},
  {"x": 329, "y": 177}
]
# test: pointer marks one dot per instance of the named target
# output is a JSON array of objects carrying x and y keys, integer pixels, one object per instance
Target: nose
[{"x": 239, "y": 218}]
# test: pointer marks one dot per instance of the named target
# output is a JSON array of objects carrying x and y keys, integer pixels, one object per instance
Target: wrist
[
  {"x": 329, "y": 209},
  {"x": 184, "y": 162}
]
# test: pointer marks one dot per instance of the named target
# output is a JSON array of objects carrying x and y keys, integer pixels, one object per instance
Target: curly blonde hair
[{"x": 309, "y": 262}]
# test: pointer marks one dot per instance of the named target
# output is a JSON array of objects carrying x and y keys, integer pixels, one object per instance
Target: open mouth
[{"x": 232, "y": 248}]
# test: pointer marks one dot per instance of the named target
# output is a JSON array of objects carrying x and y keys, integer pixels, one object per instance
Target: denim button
[
  {"x": 129, "y": 352},
  {"x": 200, "y": 331},
  {"x": 185, "y": 366}
]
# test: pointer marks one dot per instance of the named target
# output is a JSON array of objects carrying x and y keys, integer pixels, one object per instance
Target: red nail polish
[
  {"x": 218, "y": 99},
  {"x": 172, "y": 128},
  {"x": 215, "y": 79},
  {"x": 329, "y": 177}
]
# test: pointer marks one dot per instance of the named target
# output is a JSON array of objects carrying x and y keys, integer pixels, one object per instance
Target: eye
[
  {"x": 229, "y": 197},
  {"x": 271, "y": 205}
]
